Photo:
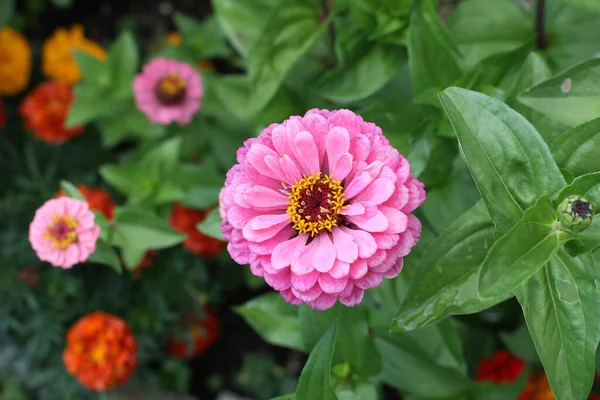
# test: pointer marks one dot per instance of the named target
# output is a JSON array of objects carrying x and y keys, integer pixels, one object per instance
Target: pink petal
[
  {"x": 302, "y": 259},
  {"x": 370, "y": 280},
  {"x": 396, "y": 218},
  {"x": 332, "y": 285},
  {"x": 354, "y": 298},
  {"x": 358, "y": 269},
  {"x": 307, "y": 152},
  {"x": 340, "y": 269},
  {"x": 262, "y": 197},
  {"x": 318, "y": 126},
  {"x": 284, "y": 252},
  {"x": 357, "y": 185},
  {"x": 377, "y": 192},
  {"x": 353, "y": 209},
  {"x": 336, "y": 144},
  {"x": 264, "y": 227},
  {"x": 377, "y": 223},
  {"x": 325, "y": 253},
  {"x": 256, "y": 158},
  {"x": 343, "y": 166},
  {"x": 279, "y": 281},
  {"x": 323, "y": 302},
  {"x": 309, "y": 294},
  {"x": 366, "y": 244},
  {"x": 292, "y": 172},
  {"x": 304, "y": 282},
  {"x": 346, "y": 249}
]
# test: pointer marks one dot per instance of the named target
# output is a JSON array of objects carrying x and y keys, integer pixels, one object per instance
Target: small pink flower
[
  {"x": 168, "y": 90},
  {"x": 63, "y": 232},
  {"x": 320, "y": 206}
]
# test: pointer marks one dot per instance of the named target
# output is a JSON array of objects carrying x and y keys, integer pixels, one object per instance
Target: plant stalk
[{"x": 540, "y": 25}]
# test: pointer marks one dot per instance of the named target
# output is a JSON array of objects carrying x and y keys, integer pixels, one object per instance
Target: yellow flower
[
  {"x": 15, "y": 62},
  {"x": 58, "y": 62},
  {"x": 173, "y": 38}
]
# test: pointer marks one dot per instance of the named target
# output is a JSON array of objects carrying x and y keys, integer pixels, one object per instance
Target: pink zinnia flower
[
  {"x": 167, "y": 91},
  {"x": 63, "y": 232},
  {"x": 320, "y": 207}
]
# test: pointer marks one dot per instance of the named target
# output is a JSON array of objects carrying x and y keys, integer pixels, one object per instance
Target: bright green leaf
[
  {"x": 142, "y": 229},
  {"x": 592, "y": 5},
  {"x": 104, "y": 254},
  {"x": 314, "y": 379},
  {"x": 203, "y": 38},
  {"x": 445, "y": 279},
  {"x": 509, "y": 161},
  {"x": 93, "y": 70},
  {"x": 275, "y": 320},
  {"x": 560, "y": 304},
  {"x": 578, "y": 150},
  {"x": 580, "y": 186},
  {"x": 520, "y": 344},
  {"x": 89, "y": 105},
  {"x": 211, "y": 226},
  {"x": 123, "y": 63},
  {"x": 571, "y": 97},
  {"x": 432, "y": 57},
  {"x": 71, "y": 190},
  {"x": 521, "y": 252}
]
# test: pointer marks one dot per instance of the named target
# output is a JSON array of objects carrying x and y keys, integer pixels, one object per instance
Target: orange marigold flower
[
  {"x": 98, "y": 199},
  {"x": 15, "y": 62},
  {"x": 45, "y": 109},
  {"x": 184, "y": 220},
  {"x": 101, "y": 351},
  {"x": 500, "y": 367},
  {"x": 538, "y": 388},
  {"x": 58, "y": 62},
  {"x": 203, "y": 332}
]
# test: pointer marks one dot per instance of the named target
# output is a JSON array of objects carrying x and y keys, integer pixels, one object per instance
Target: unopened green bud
[{"x": 575, "y": 213}]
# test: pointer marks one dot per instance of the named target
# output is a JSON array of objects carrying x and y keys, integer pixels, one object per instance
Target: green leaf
[
  {"x": 560, "y": 305},
  {"x": 426, "y": 362},
  {"x": 202, "y": 197},
  {"x": 571, "y": 97},
  {"x": 104, "y": 254},
  {"x": 211, "y": 226},
  {"x": 204, "y": 38},
  {"x": 592, "y": 5},
  {"x": 89, "y": 105},
  {"x": 509, "y": 161},
  {"x": 127, "y": 123},
  {"x": 297, "y": 27},
  {"x": 520, "y": 344},
  {"x": 7, "y": 8},
  {"x": 314, "y": 379},
  {"x": 578, "y": 150},
  {"x": 445, "y": 279},
  {"x": 275, "y": 320},
  {"x": 122, "y": 63},
  {"x": 587, "y": 241},
  {"x": 568, "y": 46},
  {"x": 71, "y": 190},
  {"x": 11, "y": 390},
  {"x": 580, "y": 186},
  {"x": 521, "y": 252},
  {"x": 482, "y": 28},
  {"x": 242, "y": 21},
  {"x": 140, "y": 229},
  {"x": 93, "y": 70},
  {"x": 432, "y": 57},
  {"x": 373, "y": 67}
]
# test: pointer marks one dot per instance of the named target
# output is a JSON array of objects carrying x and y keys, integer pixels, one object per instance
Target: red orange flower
[
  {"x": 500, "y": 367},
  {"x": 45, "y": 110},
  {"x": 203, "y": 332},
  {"x": 184, "y": 220},
  {"x": 97, "y": 199},
  {"x": 101, "y": 351}
]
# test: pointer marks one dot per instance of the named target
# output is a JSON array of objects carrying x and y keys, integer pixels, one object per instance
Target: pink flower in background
[
  {"x": 167, "y": 91},
  {"x": 320, "y": 207},
  {"x": 63, "y": 232}
]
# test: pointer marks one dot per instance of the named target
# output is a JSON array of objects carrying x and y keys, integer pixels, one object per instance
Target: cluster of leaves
[{"x": 498, "y": 151}]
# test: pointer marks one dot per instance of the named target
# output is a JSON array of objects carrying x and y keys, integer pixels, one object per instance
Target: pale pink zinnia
[
  {"x": 63, "y": 232},
  {"x": 168, "y": 90},
  {"x": 320, "y": 207}
]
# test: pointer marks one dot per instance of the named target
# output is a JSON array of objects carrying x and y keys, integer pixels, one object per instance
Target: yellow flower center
[
  {"x": 98, "y": 354},
  {"x": 171, "y": 89},
  {"x": 315, "y": 203},
  {"x": 62, "y": 231}
]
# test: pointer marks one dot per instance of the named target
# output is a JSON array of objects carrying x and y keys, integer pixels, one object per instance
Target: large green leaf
[
  {"x": 560, "y": 304},
  {"x": 509, "y": 161},
  {"x": 211, "y": 225},
  {"x": 275, "y": 320},
  {"x": 592, "y": 5},
  {"x": 445, "y": 279},
  {"x": 122, "y": 64},
  {"x": 578, "y": 150},
  {"x": 520, "y": 344},
  {"x": 296, "y": 28},
  {"x": 573, "y": 34},
  {"x": 521, "y": 252},
  {"x": 242, "y": 21},
  {"x": 427, "y": 362},
  {"x": 104, "y": 254},
  {"x": 485, "y": 27},
  {"x": 140, "y": 229},
  {"x": 371, "y": 68},
  {"x": 204, "y": 39},
  {"x": 432, "y": 57},
  {"x": 571, "y": 98},
  {"x": 580, "y": 186},
  {"x": 314, "y": 379}
]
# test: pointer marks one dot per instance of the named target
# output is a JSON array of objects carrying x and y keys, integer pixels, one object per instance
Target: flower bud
[{"x": 575, "y": 213}]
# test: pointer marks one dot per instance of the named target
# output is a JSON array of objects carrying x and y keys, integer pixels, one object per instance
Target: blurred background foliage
[{"x": 261, "y": 61}]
